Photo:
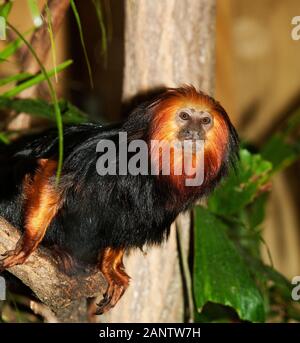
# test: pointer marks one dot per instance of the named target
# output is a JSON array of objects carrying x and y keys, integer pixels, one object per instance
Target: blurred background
[{"x": 256, "y": 79}]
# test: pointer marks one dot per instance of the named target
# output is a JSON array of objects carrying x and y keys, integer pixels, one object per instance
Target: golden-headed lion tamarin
[{"x": 91, "y": 220}]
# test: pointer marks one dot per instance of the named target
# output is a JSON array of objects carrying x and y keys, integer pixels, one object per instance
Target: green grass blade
[
  {"x": 108, "y": 17},
  {"x": 78, "y": 21},
  {"x": 36, "y": 79},
  {"x": 12, "y": 47},
  {"x": 51, "y": 35},
  {"x": 14, "y": 78},
  {"x": 5, "y": 9},
  {"x": 59, "y": 122},
  {"x": 4, "y": 12},
  {"x": 35, "y": 13},
  {"x": 42, "y": 109},
  {"x": 3, "y": 138},
  {"x": 99, "y": 13}
]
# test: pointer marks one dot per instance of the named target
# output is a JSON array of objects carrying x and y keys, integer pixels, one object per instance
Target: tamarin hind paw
[
  {"x": 112, "y": 268},
  {"x": 111, "y": 297}
]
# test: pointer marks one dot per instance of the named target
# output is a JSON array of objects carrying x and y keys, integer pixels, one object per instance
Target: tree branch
[
  {"x": 44, "y": 311},
  {"x": 41, "y": 275}
]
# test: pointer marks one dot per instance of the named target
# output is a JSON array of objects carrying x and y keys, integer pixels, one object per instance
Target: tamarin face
[
  {"x": 184, "y": 114},
  {"x": 193, "y": 124}
]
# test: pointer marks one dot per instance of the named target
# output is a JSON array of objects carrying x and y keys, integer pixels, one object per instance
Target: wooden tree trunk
[{"x": 167, "y": 43}]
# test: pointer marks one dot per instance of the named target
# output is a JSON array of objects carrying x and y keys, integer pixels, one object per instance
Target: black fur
[{"x": 97, "y": 211}]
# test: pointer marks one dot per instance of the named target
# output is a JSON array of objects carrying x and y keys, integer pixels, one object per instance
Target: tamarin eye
[
  {"x": 184, "y": 115},
  {"x": 206, "y": 120}
]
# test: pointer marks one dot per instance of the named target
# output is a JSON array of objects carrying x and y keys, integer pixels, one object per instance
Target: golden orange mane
[{"x": 164, "y": 128}]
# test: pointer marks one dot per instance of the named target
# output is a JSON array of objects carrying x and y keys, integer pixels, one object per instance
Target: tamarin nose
[{"x": 192, "y": 134}]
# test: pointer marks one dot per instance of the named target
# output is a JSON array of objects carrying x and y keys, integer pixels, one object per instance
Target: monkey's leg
[
  {"x": 41, "y": 205},
  {"x": 111, "y": 266}
]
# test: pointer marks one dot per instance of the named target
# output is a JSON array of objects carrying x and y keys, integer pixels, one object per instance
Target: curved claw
[
  {"x": 103, "y": 304},
  {"x": 112, "y": 268},
  {"x": 8, "y": 253},
  {"x": 110, "y": 298}
]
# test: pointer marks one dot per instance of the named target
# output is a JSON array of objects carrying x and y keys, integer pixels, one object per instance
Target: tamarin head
[{"x": 186, "y": 115}]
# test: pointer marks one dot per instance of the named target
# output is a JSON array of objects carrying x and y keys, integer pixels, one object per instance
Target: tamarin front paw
[{"x": 13, "y": 258}]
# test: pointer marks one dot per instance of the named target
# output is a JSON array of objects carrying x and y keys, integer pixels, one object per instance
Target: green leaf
[
  {"x": 35, "y": 13},
  {"x": 14, "y": 78},
  {"x": 5, "y": 9},
  {"x": 280, "y": 152},
  {"x": 71, "y": 114},
  {"x": 220, "y": 274},
  {"x": 241, "y": 189},
  {"x": 36, "y": 79},
  {"x": 3, "y": 138},
  {"x": 42, "y": 109},
  {"x": 56, "y": 108},
  {"x": 12, "y": 47},
  {"x": 293, "y": 123},
  {"x": 256, "y": 211},
  {"x": 100, "y": 18},
  {"x": 283, "y": 148},
  {"x": 265, "y": 273}
]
